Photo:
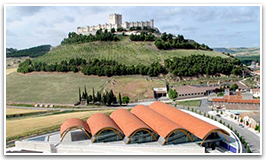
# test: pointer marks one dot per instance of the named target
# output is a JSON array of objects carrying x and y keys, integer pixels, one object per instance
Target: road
[{"x": 250, "y": 137}]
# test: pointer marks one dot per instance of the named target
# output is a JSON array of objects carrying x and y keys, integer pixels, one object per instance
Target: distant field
[
  {"x": 27, "y": 125},
  {"x": 49, "y": 87},
  {"x": 10, "y": 111},
  {"x": 14, "y": 62},
  {"x": 136, "y": 87},
  {"x": 190, "y": 103},
  {"x": 124, "y": 52}
]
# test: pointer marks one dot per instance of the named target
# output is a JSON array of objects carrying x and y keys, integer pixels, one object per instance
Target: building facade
[{"x": 115, "y": 21}]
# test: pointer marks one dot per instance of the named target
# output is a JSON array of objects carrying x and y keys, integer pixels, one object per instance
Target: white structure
[
  {"x": 115, "y": 21},
  {"x": 255, "y": 92}
]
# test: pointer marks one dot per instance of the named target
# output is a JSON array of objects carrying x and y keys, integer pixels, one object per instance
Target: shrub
[
  {"x": 188, "y": 108},
  {"x": 172, "y": 94},
  {"x": 220, "y": 121},
  {"x": 208, "y": 116},
  {"x": 245, "y": 145},
  {"x": 212, "y": 117},
  {"x": 204, "y": 114},
  {"x": 215, "y": 119},
  {"x": 192, "y": 109}
]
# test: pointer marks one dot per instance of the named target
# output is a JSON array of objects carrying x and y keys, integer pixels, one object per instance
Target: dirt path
[{"x": 11, "y": 70}]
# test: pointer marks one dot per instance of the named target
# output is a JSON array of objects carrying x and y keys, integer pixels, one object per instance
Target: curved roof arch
[
  {"x": 74, "y": 123},
  {"x": 194, "y": 125},
  {"x": 99, "y": 122},
  {"x": 154, "y": 120},
  {"x": 127, "y": 122}
]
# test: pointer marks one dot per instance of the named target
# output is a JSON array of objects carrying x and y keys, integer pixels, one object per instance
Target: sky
[{"x": 216, "y": 26}]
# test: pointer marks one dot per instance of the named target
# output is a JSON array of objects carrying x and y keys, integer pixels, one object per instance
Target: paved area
[{"x": 252, "y": 138}]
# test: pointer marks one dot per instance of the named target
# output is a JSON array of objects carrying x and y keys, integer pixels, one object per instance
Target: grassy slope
[
  {"x": 134, "y": 86},
  {"x": 27, "y": 125},
  {"x": 49, "y": 87},
  {"x": 125, "y": 52}
]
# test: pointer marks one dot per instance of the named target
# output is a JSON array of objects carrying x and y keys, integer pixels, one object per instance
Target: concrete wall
[{"x": 34, "y": 145}]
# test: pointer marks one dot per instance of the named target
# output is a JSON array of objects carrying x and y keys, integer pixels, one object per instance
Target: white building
[
  {"x": 115, "y": 21},
  {"x": 255, "y": 92}
]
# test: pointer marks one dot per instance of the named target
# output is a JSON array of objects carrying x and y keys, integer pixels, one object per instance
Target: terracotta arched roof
[
  {"x": 127, "y": 122},
  {"x": 101, "y": 121},
  {"x": 73, "y": 123},
  {"x": 194, "y": 125},
  {"x": 154, "y": 120}
]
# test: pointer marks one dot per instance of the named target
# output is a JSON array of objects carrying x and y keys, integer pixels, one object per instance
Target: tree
[
  {"x": 125, "y": 99},
  {"x": 120, "y": 99},
  {"x": 172, "y": 94},
  {"x": 112, "y": 30},
  {"x": 234, "y": 87},
  {"x": 93, "y": 96}
]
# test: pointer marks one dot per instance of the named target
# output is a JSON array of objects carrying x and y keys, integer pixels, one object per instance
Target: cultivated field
[
  {"x": 44, "y": 87},
  {"x": 29, "y": 125},
  {"x": 11, "y": 111},
  {"x": 124, "y": 52},
  {"x": 136, "y": 87}
]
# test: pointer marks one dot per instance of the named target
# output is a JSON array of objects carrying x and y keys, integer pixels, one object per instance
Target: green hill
[
  {"x": 31, "y": 52},
  {"x": 124, "y": 52}
]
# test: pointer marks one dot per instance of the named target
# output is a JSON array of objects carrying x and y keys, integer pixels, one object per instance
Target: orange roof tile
[
  {"x": 194, "y": 125},
  {"x": 154, "y": 120},
  {"x": 127, "y": 122},
  {"x": 101, "y": 121},
  {"x": 73, "y": 122}
]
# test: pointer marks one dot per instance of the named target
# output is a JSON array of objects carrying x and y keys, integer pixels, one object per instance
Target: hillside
[
  {"x": 242, "y": 51},
  {"x": 124, "y": 52},
  {"x": 30, "y": 52}
]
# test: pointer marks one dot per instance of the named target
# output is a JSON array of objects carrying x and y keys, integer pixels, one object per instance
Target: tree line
[
  {"x": 74, "y": 38},
  {"x": 92, "y": 67},
  {"x": 105, "y": 98},
  {"x": 143, "y": 36},
  {"x": 169, "y": 41},
  {"x": 201, "y": 64}
]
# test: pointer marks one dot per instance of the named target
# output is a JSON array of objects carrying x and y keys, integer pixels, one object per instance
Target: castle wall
[{"x": 115, "y": 21}]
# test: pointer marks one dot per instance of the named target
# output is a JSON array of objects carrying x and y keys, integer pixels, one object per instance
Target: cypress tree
[
  {"x": 85, "y": 92},
  {"x": 120, "y": 99},
  {"x": 93, "y": 96}
]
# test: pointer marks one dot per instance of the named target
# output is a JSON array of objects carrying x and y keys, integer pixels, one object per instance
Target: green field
[
  {"x": 124, "y": 52},
  {"x": 190, "y": 103},
  {"x": 42, "y": 87}
]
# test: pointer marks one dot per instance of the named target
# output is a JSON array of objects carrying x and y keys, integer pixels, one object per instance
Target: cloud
[
  {"x": 63, "y": 19},
  {"x": 17, "y": 13},
  {"x": 28, "y": 26}
]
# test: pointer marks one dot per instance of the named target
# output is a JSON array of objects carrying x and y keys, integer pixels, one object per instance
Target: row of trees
[
  {"x": 143, "y": 36},
  {"x": 106, "y": 98},
  {"x": 74, "y": 38},
  {"x": 92, "y": 67},
  {"x": 101, "y": 68},
  {"x": 148, "y": 29},
  {"x": 169, "y": 41},
  {"x": 201, "y": 64}
]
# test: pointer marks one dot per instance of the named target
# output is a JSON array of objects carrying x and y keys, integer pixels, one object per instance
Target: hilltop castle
[{"x": 115, "y": 21}]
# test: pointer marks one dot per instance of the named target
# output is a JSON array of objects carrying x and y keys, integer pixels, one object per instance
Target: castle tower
[
  {"x": 152, "y": 23},
  {"x": 115, "y": 19}
]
